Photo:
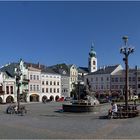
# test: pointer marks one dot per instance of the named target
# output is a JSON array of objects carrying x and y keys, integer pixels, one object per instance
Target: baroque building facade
[{"x": 30, "y": 89}]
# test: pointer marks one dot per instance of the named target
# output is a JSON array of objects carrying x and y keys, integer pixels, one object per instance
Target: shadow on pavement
[{"x": 103, "y": 117}]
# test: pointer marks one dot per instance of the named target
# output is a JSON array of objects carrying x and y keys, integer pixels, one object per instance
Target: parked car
[{"x": 60, "y": 99}]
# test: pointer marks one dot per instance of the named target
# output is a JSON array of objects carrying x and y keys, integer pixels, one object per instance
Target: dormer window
[{"x": 64, "y": 72}]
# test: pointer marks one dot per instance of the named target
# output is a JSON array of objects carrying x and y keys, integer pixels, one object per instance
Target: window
[
  {"x": 37, "y": 87},
  {"x": 54, "y": 83},
  {"x": 34, "y": 88},
  {"x": 50, "y": 82},
  {"x": 138, "y": 78},
  {"x": 42, "y": 90},
  {"x": 7, "y": 89},
  {"x": 120, "y": 86},
  {"x": 57, "y": 83},
  {"x": 11, "y": 88},
  {"x": 50, "y": 90},
  {"x": 34, "y": 77},
  {"x": 0, "y": 88},
  {"x": 133, "y": 78},
  {"x": 54, "y": 90},
  {"x": 96, "y": 78},
  {"x": 116, "y": 79},
  {"x": 46, "y": 90},
  {"x": 31, "y": 88},
  {"x": 107, "y": 78},
  {"x": 112, "y": 79},
  {"x": 42, "y": 82},
  {"x": 112, "y": 86},
  {"x": 46, "y": 82},
  {"x": 31, "y": 77},
  {"x": 37, "y": 77},
  {"x": 138, "y": 85},
  {"x": 121, "y": 79},
  {"x": 129, "y": 78},
  {"x": 58, "y": 90},
  {"x": 94, "y": 63}
]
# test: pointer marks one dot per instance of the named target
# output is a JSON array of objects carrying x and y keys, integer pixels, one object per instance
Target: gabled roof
[
  {"x": 70, "y": 65},
  {"x": 83, "y": 70},
  {"x": 48, "y": 70},
  {"x": 61, "y": 69},
  {"x": 105, "y": 70},
  {"x": 34, "y": 69},
  {"x": 9, "y": 69}
]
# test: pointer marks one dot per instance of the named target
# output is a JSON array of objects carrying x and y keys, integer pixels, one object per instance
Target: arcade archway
[
  {"x": 56, "y": 98},
  {"x": 9, "y": 99},
  {"x": 34, "y": 98},
  {"x": 51, "y": 98}
]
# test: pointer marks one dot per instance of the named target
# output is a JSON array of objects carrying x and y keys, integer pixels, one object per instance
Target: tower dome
[
  {"x": 92, "y": 53},
  {"x": 92, "y": 60}
]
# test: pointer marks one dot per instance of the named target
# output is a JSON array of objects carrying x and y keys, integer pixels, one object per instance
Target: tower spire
[{"x": 92, "y": 60}]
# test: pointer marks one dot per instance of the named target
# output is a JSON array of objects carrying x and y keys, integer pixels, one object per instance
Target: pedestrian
[{"x": 113, "y": 109}]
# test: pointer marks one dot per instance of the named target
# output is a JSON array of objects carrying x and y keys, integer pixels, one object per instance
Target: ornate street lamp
[
  {"x": 18, "y": 74},
  {"x": 126, "y": 50}
]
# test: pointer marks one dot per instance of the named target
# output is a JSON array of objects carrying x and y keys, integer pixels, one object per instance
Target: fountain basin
[{"x": 78, "y": 108}]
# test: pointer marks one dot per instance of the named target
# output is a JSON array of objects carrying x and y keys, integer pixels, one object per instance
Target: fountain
[{"x": 85, "y": 104}]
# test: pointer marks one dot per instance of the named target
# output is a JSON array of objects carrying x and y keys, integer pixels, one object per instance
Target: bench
[{"x": 125, "y": 114}]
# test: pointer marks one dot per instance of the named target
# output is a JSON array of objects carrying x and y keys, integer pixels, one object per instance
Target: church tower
[{"x": 92, "y": 60}]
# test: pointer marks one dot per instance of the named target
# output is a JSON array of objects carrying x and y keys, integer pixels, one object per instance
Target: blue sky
[{"x": 62, "y": 32}]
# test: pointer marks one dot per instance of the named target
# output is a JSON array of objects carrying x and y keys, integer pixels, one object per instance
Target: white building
[
  {"x": 73, "y": 76},
  {"x": 34, "y": 76},
  {"x": 118, "y": 81},
  {"x": 7, "y": 88},
  {"x": 69, "y": 77},
  {"x": 8, "y": 82},
  {"x": 100, "y": 81},
  {"x": 50, "y": 85}
]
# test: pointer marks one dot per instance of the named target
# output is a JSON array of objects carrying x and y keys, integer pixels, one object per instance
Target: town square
[
  {"x": 69, "y": 70},
  {"x": 44, "y": 121}
]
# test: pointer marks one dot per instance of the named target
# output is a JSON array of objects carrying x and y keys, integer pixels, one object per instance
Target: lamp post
[
  {"x": 126, "y": 50},
  {"x": 18, "y": 77}
]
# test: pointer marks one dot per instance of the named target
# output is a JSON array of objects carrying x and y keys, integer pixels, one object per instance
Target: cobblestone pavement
[{"x": 44, "y": 121}]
